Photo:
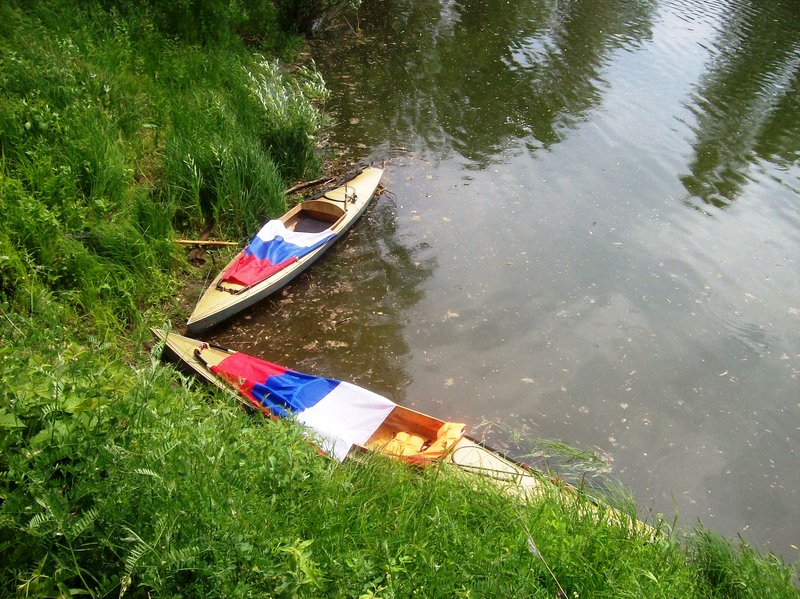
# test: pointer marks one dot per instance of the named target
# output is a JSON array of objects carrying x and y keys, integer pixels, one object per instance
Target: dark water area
[{"x": 592, "y": 235}]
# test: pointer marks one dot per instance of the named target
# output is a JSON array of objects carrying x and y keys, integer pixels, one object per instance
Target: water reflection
[
  {"x": 344, "y": 317},
  {"x": 475, "y": 79},
  {"x": 540, "y": 152},
  {"x": 747, "y": 104}
]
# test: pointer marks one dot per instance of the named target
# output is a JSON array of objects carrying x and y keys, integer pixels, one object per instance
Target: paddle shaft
[{"x": 204, "y": 242}]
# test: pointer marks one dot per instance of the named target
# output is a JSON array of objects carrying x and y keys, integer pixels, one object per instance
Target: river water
[{"x": 592, "y": 235}]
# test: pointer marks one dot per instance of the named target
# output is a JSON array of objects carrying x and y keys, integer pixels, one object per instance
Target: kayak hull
[{"x": 338, "y": 209}]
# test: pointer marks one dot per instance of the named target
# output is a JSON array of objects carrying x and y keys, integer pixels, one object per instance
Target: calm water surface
[{"x": 592, "y": 235}]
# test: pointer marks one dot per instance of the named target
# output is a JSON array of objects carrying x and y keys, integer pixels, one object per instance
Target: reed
[{"x": 738, "y": 570}]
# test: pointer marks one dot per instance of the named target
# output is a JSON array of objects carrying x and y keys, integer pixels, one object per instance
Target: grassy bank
[
  {"x": 120, "y": 476},
  {"x": 114, "y": 135},
  {"x": 123, "y": 126}
]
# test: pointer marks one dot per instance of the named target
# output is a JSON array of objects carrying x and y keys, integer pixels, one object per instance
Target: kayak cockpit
[
  {"x": 313, "y": 216},
  {"x": 415, "y": 437}
]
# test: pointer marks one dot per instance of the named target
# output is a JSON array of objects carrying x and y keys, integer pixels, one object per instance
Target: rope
[
  {"x": 229, "y": 390},
  {"x": 203, "y": 288}
]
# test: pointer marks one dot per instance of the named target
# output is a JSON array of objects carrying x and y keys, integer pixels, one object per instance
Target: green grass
[
  {"x": 114, "y": 136},
  {"x": 132, "y": 475},
  {"x": 122, "y": 126}
]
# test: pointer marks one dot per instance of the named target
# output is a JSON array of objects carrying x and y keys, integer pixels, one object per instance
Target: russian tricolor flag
[
  {"x": 339, "y": 413},
  {"x": 272, "y": 249}
]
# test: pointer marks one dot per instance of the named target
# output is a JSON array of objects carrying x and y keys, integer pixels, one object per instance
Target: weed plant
[
  {"x": 123, "y": 125},
  {"x": 113, "y": 136}
]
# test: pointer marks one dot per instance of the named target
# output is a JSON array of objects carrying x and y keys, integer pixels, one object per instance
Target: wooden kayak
[
  {"x": 324, "y": 218},
  {"x": 467, "y": 454},
  {"x": 464, "y": 454}
]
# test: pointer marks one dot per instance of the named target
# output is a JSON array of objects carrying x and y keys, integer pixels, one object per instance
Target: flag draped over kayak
[
  {"x": 341, "y": 414},
  {"x": 272, "y": 249}
]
